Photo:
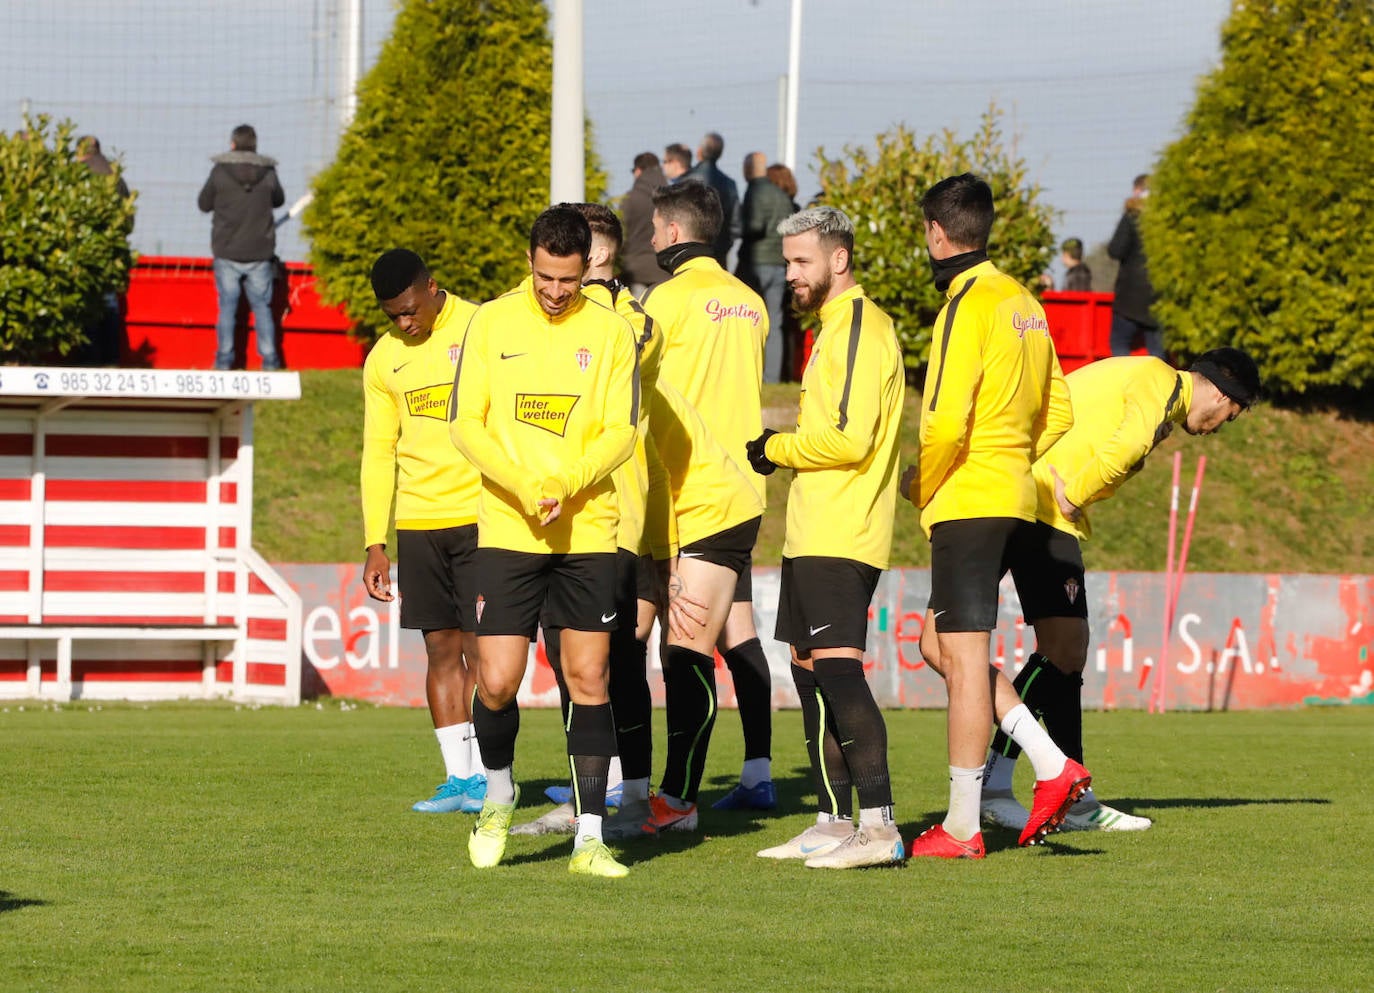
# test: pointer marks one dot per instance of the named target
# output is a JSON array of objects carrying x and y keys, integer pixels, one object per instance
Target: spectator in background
[
  {"x": 1131, "y": 315},
  {"x": 241, "y": 191},
  {"x": 790, "y": 329},
  {"x": 638, "y": 261},
  {"x": 104, "y": 336},
  {"x": 706, "y": 170},
  {"x": 677, "y": 161},
  {"x": 1078, "y": 278},
  {"x": 761, "y": 265}
]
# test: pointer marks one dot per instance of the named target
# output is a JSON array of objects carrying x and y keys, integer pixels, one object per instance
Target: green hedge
[
  {"x": 64, "y": 242},
  {"x": 881, "y": 189},
  {"x": 448, "y": 154},
  {"x": 1259, "y": 221}
]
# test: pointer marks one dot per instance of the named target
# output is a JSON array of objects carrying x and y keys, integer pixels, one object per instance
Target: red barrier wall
[
  {"x": 171, "y": 309},
  {"x": 1081, "y": 325}
]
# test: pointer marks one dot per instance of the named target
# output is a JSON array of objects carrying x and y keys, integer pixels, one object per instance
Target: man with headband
[{"x": 1123, "y": 408}]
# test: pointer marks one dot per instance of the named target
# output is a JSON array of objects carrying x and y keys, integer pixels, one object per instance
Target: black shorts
[
  {"x": 732, "y": 548},
  {"x": 516, "y": 590},
  {"x": 436, "y": 573},
  {"x": 1047, "y": 567},
  {"x": 823, "y": 603},
  {"x": 628, "y": 583},
  {"x": 967, "y": 561}
]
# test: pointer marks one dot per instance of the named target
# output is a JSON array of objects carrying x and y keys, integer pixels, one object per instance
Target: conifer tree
[
  {"x": 448, "y": 154},
  {"x": 1258, "y": 226}
]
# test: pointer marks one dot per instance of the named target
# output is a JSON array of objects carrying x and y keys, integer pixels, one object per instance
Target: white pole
[
  {"x": 783, "y": 85},
  {"x": 352, "y": 61},
  {"x": 567, "y": 160},
  {"x": 793, "y": 84}
]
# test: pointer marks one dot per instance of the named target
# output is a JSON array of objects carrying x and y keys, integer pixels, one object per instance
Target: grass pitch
[{"x": 211, "y": 847}]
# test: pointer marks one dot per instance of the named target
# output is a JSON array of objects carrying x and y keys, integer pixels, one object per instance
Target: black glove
[{"x": 757, "y": 459}]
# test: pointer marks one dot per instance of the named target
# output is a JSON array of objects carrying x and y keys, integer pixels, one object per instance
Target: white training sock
[
  {"x": 824, "y": 817},
  {"x": 997, "y": 774},
  {"x": 635, "y": 789},
  {"x": 501, "y": 785},
  {"x": 453, "y": 746},
  {"x": 1045, "y": 757},
  {"x": 588, "y": 829},
  {"x": 614, "y": 777},
  {"x": 755, "y": 771},
  {"x": 965, "y": 792},
  {"x": 876, "y": 817},
  {"x": 475, "y": 767}
]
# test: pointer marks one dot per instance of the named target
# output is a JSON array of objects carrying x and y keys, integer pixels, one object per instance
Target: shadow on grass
[
  {"x": 8, "y": 902},
  {"x": 1128, "y": 803}
]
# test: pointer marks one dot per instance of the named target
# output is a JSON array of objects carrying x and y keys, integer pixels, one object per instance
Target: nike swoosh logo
[
  {"x": 808, "y": 849},
  {"x": 607, "y": 618},
  {"x": 513, "y": 355},
  {"x": 629, "y": 729},
  {"x": 690, "y": 555},
  {"x": 400, "y": 367},
  {"x": 937, "y": 614},
  {"x": 816, "y": 631}
]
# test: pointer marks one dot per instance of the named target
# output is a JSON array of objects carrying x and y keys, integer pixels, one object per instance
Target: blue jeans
[
  {"x": 1123, "y": 335},
  {"x": 772, "y": 280},
  {"x": 255, "y": 279}
]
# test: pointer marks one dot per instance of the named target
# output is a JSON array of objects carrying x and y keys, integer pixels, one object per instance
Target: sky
[{"x": 1091, "y": 92}]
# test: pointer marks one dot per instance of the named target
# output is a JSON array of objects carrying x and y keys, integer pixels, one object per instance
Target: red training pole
[
  {"x": 1168, "y": 574},
  {"x": 1182, "y": 565}
]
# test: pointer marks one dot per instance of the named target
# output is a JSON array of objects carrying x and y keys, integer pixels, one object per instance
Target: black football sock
[
  {"x": 689, "y": 684},
  {"x": 632, "y": 706},
  {"x": 829, "y": 773},
  {"x": 753, "y": 695},
  {"x": 859, "y": 726},
  {"x": 496, "y": 733},
  {"x": 591, "y": 743}
]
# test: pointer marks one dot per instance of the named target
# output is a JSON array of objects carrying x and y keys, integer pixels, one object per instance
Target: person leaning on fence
[
  {"x": 1127, "y": 406},
  {"x": 104, "y": 336},
  {"x": 1078, "y": 278},
  {"x": 1133, "y": 293},
  {"x": 241, "y": 191}
]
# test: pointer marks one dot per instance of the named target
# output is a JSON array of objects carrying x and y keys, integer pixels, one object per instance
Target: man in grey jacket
[{"x": 241, "y": 191}]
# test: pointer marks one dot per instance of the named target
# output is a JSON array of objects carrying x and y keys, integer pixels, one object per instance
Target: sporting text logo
[
  {"x": 1029, "y": 322},
  {"x": 718, "y": 312}
]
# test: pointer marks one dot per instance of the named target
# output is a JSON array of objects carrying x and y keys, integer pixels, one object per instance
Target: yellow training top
[
  {"x": 844, "y": 452},
  {"x": 710, "y": 493},
  {"x": 714, "y": 328},
  {"x": 1125, "y": 407},
  {"x": 994, "y": 401},
  {"x": 634, "y": 477},
  {"x": 546, "y": 407},
  {"x": 406, "y": 447}
]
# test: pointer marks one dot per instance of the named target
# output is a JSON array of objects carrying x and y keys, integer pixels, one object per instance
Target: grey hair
[{"x": 831, "y": 225}]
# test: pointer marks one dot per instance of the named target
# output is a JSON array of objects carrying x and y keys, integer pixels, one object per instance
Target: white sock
[
  {"x": 588, "y": 829},
  {"x": 635, "y": 789},
  {"x": 755, "y": 771},
  {"x": 501, "y": 785},
  {"x": 614, "y": 777},
  {"x": 965, "y": 791},
  {"x": 824, "y": 817},
  {"x": 475, "y": 767},
  {"x": 875, "y": 817},
  {"x": 997, "y": 774},
  {"x": 1045, "y": 757},
  {"x": 453, "y": 746}
]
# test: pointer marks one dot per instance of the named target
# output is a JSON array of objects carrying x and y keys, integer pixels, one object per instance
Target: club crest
[
  {"x": 481, "y": 605},
  {"x": 584, "y": 359},
  {"x": 454, "y": 351},
  {"x": 1071, "y": 590}
]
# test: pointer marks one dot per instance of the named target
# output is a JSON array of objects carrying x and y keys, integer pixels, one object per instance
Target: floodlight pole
[
  {"x": 567, "y": 158},
  {"x": 789, "y": 152},
  {"x": 352, "y": 61}
]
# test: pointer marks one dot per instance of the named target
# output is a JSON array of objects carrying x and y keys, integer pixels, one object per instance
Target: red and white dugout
[{"x": 127, "y": 568}]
